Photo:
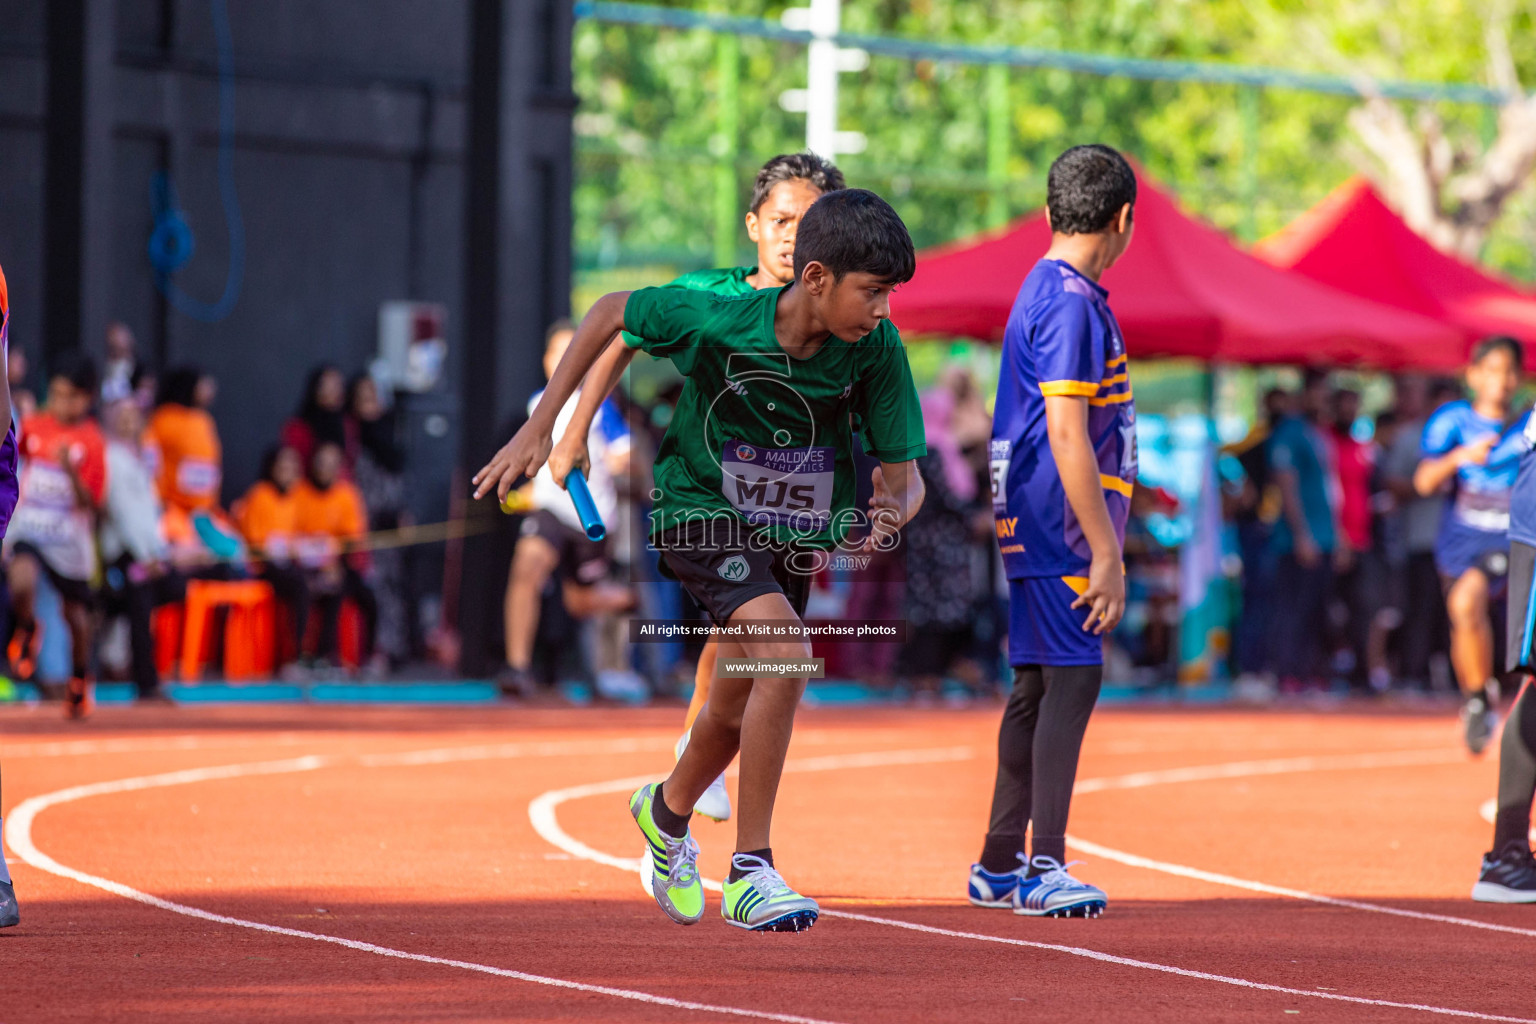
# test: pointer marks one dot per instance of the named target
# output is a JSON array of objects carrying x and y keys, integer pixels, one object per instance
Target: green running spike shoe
[
  {"x": 761, "y": 901},
  {"x": 674, "y": 863}
]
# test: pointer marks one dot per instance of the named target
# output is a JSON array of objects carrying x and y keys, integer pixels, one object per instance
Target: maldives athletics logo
[{"x": 734, "y": 569}]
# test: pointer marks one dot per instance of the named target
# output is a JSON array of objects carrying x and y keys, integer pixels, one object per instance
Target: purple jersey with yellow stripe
[
  {"x": 1061, "y": 339},
  {"x": 9, "y": 490}
]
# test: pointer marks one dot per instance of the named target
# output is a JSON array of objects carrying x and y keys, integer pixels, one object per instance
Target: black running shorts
[
  {"x": 582, "y": 561},
  {"x": 69, "y": 589},
  {"x": 725, "y": 565}
]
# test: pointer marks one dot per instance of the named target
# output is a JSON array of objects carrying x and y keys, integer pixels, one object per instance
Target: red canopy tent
[
  {"x": 1182, "y": 289},
  {"x": 1354, "y": 242}
]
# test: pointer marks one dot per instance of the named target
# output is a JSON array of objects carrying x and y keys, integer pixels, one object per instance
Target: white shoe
[
  {"x": 715, "y": 803},
  {"x": 1055, "y": 893}
]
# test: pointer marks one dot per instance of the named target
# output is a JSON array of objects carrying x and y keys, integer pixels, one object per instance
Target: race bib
[
  {"x": 1000, "y": 453},
  {"x": 779, "y": 486},
  {"x": 197, "y": 477},
  {"x": 1489, "y": 512}
]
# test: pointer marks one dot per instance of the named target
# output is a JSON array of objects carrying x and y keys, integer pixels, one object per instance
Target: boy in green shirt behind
[{"x": 754, "y": 487}]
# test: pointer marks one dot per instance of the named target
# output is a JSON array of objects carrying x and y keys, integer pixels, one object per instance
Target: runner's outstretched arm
[
  {"x": 529, "y": 447},
  {"x": 570, "y": 451}
]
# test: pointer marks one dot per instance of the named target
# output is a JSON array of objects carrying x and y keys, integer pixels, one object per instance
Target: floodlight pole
[{"x": 824, "y": 22}]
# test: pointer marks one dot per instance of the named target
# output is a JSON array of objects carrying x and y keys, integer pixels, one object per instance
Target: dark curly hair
[
  {"x": 1086, "y": 187},
  {"x": 795, "y": 167}
]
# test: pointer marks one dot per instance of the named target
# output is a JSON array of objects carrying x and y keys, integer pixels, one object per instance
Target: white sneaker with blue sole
[
  {"x": 992, "y": 890},
  {"x": 1055, "y": 893},
  {"x": 715, "y": 803}
]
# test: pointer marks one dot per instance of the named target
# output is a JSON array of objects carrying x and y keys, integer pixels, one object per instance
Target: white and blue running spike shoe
[
  {"x": 989, "y": 890},
  {"x": 1055, "y": 893}
]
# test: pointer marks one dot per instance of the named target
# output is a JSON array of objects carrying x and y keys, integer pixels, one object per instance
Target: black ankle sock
[
  {"x": 674, "y": 825},
  {"x": 1000, "y": 854},
  {"x": 79, "y": 671},
  {"x": 765, "y": 854},
  {"x": 1054, "y": 847}
]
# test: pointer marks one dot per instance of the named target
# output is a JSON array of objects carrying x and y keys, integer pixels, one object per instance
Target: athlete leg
[
  {"x": 533, "y": 560},
  {"x": 585, "y": 602},
  {"x": 1471, "y": 631},
  {"x": 703, "y": 677},
  {"x": 82, "y": 631},
  {"x": 1517, "y": 771},
  {"x": 1013, "y": 788},
  {"x": 1070, "y": 694},
  {"x": 21, "y": 579},
  {"x": 756, "y": 717}
]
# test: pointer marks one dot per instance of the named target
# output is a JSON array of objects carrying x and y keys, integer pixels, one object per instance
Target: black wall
[{"x": 350, "y": 167}]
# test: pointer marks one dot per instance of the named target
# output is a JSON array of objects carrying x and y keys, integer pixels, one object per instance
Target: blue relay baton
[{"x": 586, "y": 508}]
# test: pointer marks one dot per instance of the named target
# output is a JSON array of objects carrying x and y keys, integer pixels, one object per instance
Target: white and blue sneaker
[
  {"x": 1055, "y": 893},
  {"x": 715, "y": 803},
  {"x": 989, "y": 890}
]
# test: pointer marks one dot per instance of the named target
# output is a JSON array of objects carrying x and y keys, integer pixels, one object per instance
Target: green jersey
[
  {"x": 763, "y": 436},
  {"x": 721, "y": 281}
]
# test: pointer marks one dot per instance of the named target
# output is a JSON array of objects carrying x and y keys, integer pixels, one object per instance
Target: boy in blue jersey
[
  {"x": 1469, "y": 455},
  {"x": 1063, "y": 457},
  {"x": 1509, "y": 871}
]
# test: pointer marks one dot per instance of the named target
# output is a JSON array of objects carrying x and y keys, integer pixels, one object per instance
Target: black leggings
[
  {"x": 1037, "y": 748},
  {"x": 292, "y": 589},
  {"x": 1517, "y": 772},
  {"x": 329, "y": 606}
]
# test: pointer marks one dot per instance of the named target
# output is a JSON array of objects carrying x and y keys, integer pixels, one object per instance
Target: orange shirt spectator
[
  {"x": 268, "y": 518},
  {"x": 328, "y": 511},
  {"x": 186, "y": 440}
]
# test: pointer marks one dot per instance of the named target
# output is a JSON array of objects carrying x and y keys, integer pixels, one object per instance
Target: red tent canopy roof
[
  {"x": 1182, "y": 289},
  {"x": 1353, "y": 241}
]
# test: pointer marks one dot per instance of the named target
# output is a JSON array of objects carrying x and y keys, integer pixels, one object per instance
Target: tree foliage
[{"x": 1247, "y": 161}]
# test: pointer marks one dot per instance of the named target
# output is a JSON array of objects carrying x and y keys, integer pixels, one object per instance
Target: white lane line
[
  {"x": 72, "y": 748},
  {"x": 1273, "y": 766},
  {"x": 543, "y": 813},
  {"x": 1132, "y": 860},
  {"x": 542, "y": 808},
  {"x": 1183, "y": 972},
  {"x": 1283, "y": 766},
  {"x": 18, "y": 834},
  {"x": 492, "y": 751}
]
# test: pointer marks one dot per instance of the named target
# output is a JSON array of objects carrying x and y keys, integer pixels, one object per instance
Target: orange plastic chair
[
  {"x": 249, "y": 627},
  {"x": 166, "y": 629}
]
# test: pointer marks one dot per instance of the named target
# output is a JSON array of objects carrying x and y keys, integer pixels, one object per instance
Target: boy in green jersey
[
  {"x": 754, "y": 486},
  {"x": 785, "y": 188}
]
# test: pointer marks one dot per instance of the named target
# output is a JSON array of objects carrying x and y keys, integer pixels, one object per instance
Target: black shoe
[
  {"x": 516, "y": 682},
  {"x": 1509, "y": 876},
  {"x": 10, "y": 915},
  {"x": 1479, "y": 718}
]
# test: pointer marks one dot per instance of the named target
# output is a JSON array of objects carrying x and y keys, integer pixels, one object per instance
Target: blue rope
[{"x": 172, "y": 243}]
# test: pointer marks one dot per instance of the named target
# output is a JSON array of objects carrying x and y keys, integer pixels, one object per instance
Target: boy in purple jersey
[
  {"x": 1509, "y": 871},
  {"x": 1468, "y": 456},
  {"x": 8, "y": 493},
  {"x": 1063, "y": 457}
]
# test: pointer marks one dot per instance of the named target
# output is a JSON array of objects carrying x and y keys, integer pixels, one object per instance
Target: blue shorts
[
  {"x": 1460, "y": 548},
  {"x": 1044, "y": 628}
]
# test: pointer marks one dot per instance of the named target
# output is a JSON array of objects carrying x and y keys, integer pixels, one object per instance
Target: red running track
[{"x": 428, "y": 865}]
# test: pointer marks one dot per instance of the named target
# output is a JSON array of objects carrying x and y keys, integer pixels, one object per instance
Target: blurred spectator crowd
[{"x": 120, "y": 511}]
